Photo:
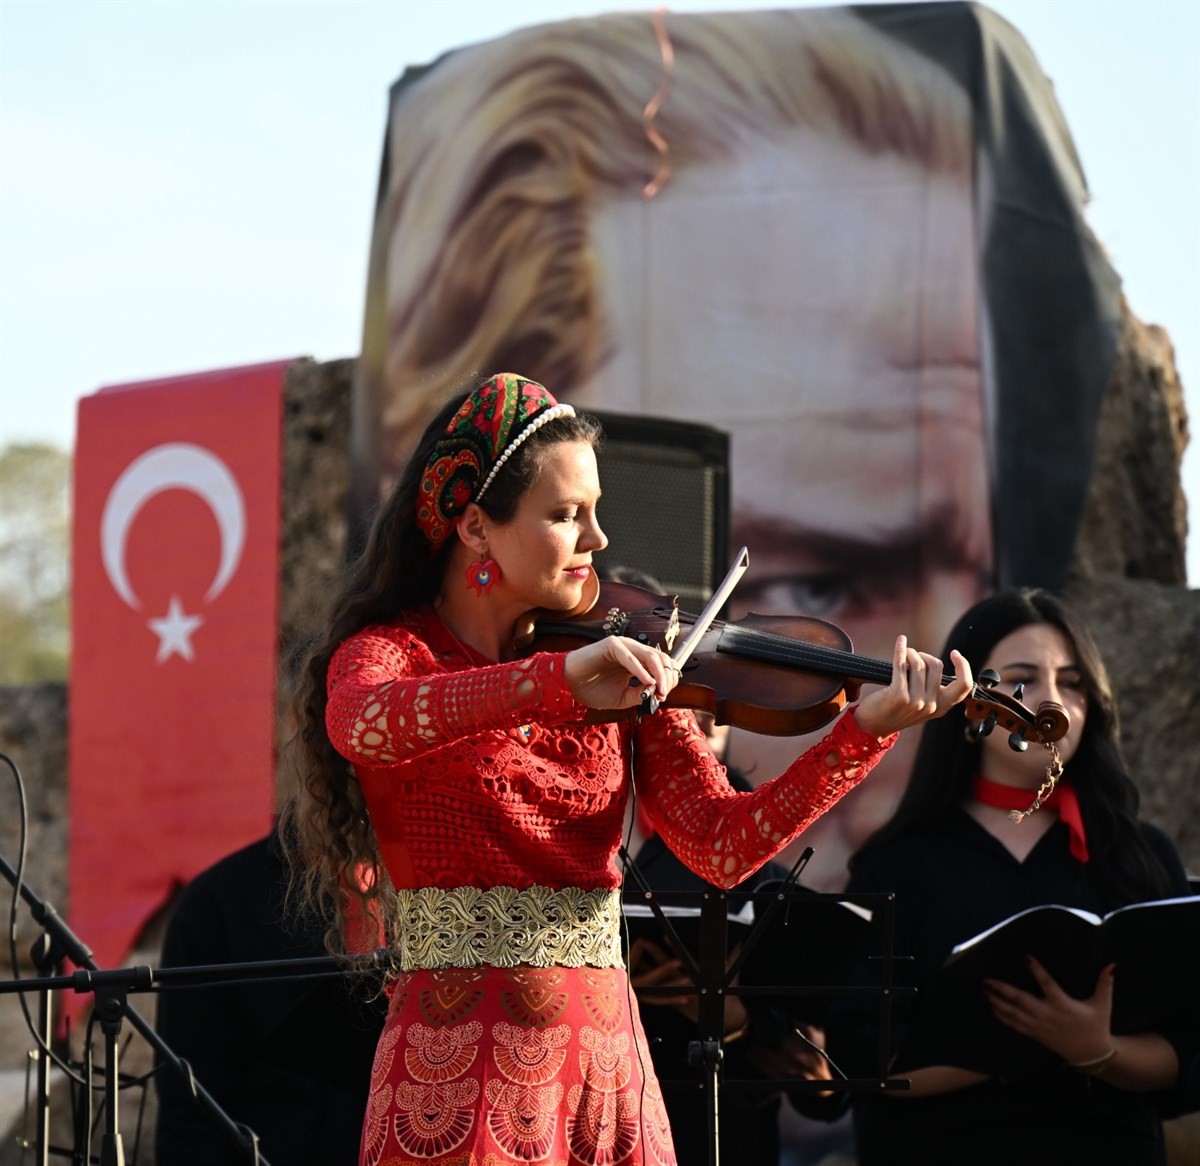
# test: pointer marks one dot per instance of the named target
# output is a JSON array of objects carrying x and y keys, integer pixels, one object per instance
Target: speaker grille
[{"x": 665, "y": 506}]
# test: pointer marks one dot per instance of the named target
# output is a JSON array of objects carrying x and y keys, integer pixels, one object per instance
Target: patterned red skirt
[{"x": 498, "y": 1066}]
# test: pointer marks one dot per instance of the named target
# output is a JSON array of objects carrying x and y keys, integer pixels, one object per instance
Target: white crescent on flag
[{"x": 175, "y": 466}]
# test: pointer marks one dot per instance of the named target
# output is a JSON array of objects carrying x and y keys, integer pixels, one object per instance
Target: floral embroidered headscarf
[{"x": 491, "y": 425}]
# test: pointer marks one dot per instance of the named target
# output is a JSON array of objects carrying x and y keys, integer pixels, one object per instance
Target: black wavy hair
[{"x": 1125, "y": 868}]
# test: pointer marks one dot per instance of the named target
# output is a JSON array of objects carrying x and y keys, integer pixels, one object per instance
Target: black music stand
[{"x": 706, "y": 918}]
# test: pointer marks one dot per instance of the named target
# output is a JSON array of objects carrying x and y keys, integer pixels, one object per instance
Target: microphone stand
[{"x": 112, "y": 990}]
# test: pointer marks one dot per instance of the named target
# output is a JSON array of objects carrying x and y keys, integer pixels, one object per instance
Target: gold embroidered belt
[{"x": 465, "y": 927}]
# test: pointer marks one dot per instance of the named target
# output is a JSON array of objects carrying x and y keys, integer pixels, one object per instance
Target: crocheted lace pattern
[{"x": 487, "y": 777}]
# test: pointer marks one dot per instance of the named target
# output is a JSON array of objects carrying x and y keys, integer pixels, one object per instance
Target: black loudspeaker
[{"x": 665, "y": 503}]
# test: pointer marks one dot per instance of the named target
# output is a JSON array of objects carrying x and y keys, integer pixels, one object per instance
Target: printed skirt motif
[{"x": 504, "y": 1066}]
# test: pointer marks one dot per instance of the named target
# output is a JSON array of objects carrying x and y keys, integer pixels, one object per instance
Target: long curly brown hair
[{"x": 325, "y": 828}]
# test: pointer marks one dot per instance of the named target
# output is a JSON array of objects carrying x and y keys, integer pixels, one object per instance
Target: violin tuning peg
[
  {"x": 988, "y": 725},
  {"x": 973, "y": 731},
  {"x": 1017, "y": 743},
  {"x": 989, "y": 678},
  {"x": 1019, "y": 692}
]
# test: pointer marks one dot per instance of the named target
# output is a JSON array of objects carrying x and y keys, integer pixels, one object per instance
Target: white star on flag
[{"x": 174, "y": 631}]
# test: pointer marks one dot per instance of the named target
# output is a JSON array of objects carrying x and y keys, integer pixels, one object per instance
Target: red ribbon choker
[{"x": 1063, "y": 798}]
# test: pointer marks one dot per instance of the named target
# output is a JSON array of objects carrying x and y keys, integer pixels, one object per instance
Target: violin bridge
[{"x": 672, "y": 632}]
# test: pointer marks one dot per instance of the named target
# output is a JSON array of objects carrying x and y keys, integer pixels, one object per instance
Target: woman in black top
[{"x": 958, "y": 863}]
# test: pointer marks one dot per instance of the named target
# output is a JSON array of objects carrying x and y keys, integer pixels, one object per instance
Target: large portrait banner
[{"x": 850, "y": 238}]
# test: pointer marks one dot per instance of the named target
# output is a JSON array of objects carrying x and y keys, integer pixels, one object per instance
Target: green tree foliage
[{"x": 35, "y": 574}]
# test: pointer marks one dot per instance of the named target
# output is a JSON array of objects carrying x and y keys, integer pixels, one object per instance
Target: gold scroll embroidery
[{"x": 465, "y": 927}]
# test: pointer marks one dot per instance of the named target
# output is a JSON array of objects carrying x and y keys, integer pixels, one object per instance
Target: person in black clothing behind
[
  {"x": 959, "y": 864},
  {"x": 289, "y": 1059}
]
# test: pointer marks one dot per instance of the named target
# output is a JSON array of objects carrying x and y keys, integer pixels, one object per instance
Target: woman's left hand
[
  {"x": 1077, "y": 1030},
  {"x": 916, "y": 693}
]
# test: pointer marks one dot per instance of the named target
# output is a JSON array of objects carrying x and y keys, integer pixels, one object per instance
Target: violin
[{"x": 776, "y": 675}]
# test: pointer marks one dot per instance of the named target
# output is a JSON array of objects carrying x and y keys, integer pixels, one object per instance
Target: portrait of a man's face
[
  {"x": 771, "y": 223},
  {"x": 774, "y": 296}
]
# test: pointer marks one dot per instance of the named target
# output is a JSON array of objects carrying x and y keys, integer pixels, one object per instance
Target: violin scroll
[{"x": 986, "y": 708}]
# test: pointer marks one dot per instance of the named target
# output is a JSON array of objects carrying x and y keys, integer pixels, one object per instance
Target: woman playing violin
[{"x": 459, "y": 783}]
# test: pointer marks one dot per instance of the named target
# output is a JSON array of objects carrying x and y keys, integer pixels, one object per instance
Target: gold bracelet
[{"x": 1097, "y": 1065}]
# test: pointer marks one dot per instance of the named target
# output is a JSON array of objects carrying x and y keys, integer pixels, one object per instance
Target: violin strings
[
  {"x": 785, "y": 650},
  {"x": 772, "y": 646}
]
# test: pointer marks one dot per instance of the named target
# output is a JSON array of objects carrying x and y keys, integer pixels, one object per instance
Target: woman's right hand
[
  {"x": 1077, "y": 1030},
  {"x": 613, "y": 672}
]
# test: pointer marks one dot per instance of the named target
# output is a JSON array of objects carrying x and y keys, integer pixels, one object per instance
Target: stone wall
[
  {"x": 1129, "y": 580},
  {"x": 316, "y": 435},
  {"x": 1135, "y": 523}
]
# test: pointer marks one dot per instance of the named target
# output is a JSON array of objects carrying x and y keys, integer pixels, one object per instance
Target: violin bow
[{"x": 680, "y": 654}]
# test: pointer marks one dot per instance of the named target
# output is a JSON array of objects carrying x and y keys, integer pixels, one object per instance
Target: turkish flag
[{"x": 174, "y": 628}]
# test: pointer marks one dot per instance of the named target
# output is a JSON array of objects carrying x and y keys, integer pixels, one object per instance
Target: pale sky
[{"x": 189, "y": 185}]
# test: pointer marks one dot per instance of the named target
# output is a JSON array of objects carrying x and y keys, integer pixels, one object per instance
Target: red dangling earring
[{"x": 482, "y": 575}]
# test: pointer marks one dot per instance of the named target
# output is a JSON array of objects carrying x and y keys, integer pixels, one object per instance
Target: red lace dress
[{"x": 513, "y": 1035}]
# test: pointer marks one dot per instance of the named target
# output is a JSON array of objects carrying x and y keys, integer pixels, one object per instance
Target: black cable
[{"x": 44, "y": 1049}]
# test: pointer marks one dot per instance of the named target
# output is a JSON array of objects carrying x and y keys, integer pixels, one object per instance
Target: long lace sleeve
[
  {"x": 721, "y": 834},
  {"x": 389, "y": 699}
]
